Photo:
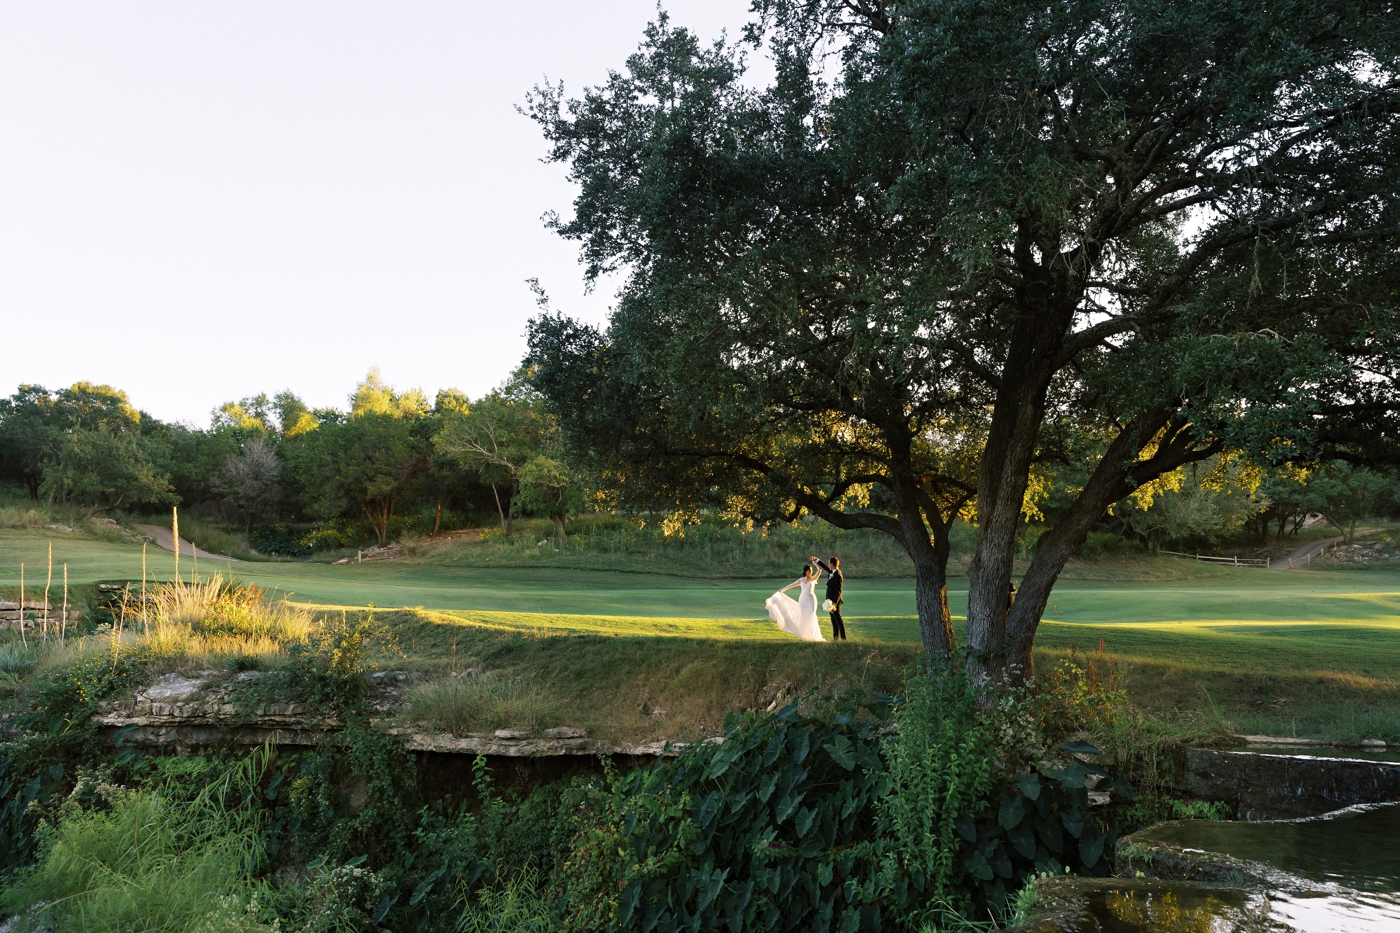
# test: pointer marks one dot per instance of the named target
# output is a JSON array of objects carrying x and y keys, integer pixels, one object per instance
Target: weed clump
[
  {"x": 150, "y": 859},
  {"x": 466, "y": 704}
]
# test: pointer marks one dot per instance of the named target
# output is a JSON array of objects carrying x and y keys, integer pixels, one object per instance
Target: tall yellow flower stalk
[
  {"x": 48, "y": 581},
  {"x": 175, "y": 535}
]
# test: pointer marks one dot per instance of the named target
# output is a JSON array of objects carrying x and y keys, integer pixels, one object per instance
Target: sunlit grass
[
  {"x": 214, "y": 622},
  {"x": 180, "y": 627}
]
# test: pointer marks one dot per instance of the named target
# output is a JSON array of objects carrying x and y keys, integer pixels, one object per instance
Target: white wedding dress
[{"x": 797, "y": 616}]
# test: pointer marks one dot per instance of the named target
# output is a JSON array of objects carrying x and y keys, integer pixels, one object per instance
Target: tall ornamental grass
[{"x": 213, "y": 622}]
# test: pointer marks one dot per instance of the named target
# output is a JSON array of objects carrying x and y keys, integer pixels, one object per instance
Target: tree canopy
[{"x": 955, "y": 240}]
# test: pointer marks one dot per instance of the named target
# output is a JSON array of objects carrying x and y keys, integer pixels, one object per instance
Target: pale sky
[{"x": 202, "y": 201}]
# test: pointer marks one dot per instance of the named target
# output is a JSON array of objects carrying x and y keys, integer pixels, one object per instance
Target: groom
[{"x": 833, "y": 593}]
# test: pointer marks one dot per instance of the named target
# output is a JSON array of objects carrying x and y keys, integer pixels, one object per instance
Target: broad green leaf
[
  {"x": 1011, "y": 812},
  {"x": 978, "y": 867},
  {"x": 840, "y": 750},
  {"x": 1080, "y": 748}
]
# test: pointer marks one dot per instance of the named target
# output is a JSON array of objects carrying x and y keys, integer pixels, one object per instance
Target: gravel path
[
  {"x": 162, "y": 538},
  {"x": 1296, "y": 558}
]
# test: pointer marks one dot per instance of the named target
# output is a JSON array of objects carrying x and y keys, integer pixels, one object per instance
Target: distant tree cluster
[{"x": 393, "y": 459}]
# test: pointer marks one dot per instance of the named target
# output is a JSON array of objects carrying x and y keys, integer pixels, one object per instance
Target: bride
[{"x": 798, "y": 618}]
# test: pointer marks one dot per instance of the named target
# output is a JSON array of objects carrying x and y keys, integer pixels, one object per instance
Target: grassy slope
[{"x": 1315, "y": 653}]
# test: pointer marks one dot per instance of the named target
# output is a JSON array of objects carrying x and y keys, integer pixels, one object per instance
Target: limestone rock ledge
[
  {"x": 516, "y": 745},
  {"x": 193, "y": 712}
]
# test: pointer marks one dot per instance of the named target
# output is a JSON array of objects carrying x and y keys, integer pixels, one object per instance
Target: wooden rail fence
[{"x": 1233, "y": 561}]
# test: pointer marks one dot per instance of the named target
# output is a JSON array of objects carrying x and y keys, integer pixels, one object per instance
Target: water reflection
[
  {"x": 1352, "y": 857},
  {"x": 1180, "y": 910},
  {"x": 1326, "y": 751},
  {"x": 1167, "y": 907},
  {"x": 1358, "y": 847}
]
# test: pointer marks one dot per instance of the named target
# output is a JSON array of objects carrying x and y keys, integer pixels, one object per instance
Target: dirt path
[
  {"x": 162, "y": 538},
  {"x": 1300, "y": 557}
]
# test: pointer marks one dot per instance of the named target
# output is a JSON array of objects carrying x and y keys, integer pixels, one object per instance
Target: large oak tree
[{"x": 952, "y": 235}]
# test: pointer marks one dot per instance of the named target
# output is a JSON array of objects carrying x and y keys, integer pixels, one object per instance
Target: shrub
[
  {"x": 769, "y": 830},
  {"x": 150, "y": 862},
  {"x": 347, "y": 898},
  {"x": 460, "y": 705},
  {"x": 940, "y": 758}
]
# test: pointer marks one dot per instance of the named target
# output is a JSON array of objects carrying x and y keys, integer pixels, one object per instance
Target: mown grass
[
  {"x": 709, "y": 547},
  {"x": 1271, "y": 652}
]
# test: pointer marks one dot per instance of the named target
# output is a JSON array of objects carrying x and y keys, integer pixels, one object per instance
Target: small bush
[
  {"x": 463, "y": 705},
  {"x": 940, "y": 757},
  {"x": 343, "y": 899},
  {"x": 16, "y": 658}
]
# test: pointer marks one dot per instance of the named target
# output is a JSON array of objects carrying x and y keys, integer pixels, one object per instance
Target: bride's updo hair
[{"x": 806, "y": 570}]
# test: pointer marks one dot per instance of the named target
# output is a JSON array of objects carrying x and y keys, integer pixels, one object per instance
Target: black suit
[{"x": 833, "y": 593}]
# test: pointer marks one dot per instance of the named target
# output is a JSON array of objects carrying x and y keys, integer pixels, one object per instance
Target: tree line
[{"x": 387, "y": 458}]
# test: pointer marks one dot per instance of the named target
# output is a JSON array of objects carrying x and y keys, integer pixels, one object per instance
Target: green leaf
[
  {"x": 839, "y": 748},
  {"x": 383, "y": 910},
  {"x": 774, "y": 748},
  {"x": 1049, "y": 832},
  {"x": 803, "y": 823},
  {"x": 1022, "y": 839},
  {"x": 1012, "y": 811},
  {"x": 978, "y": 867},
  {"x": 425, "y": 886},
  {"x": 1029, "y": 785},
  {"x": 1073, "y": 820},
  {"x": 801, "y": 744},
  {"x": 1091, "y": 847},
  {"x": 786, "y": 805},
  {"x": 1080, "y": 748},
  {"x": 766, "y": 785}
]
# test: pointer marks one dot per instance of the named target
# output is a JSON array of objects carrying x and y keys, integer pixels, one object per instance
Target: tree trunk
[
  {"x": 1110, "y": 481},
  {"x": 559, "y": 527},
  {"x": 437, "y": 518},
  {"x": 935, "y": 616},
  {"x": 505, "y": 525},
  {"x": 379, "y": 522}
]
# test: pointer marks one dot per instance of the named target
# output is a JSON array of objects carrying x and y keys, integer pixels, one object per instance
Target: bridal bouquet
[{"x": 826, "y": 606}]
